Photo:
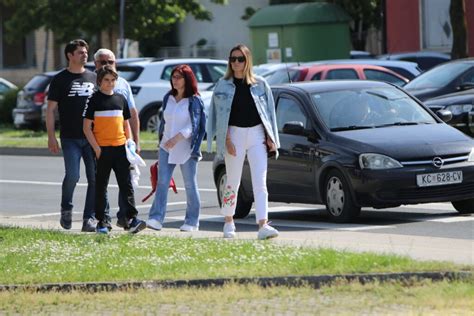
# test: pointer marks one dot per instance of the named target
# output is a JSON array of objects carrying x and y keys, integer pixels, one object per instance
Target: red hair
[{"x": 190, "y": 82}]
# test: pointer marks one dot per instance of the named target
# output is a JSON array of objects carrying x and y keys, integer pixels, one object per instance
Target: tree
[
  {"x": 146, "y": 20},
  {"x": 457, "y": 14}
]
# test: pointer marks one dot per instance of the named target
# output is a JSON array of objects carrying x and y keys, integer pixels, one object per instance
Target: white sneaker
[
  {"x": 229, "y": 230},
  {"x": 267, "y": 232},
  {"x": 154, "y": 224},
  {"x": 188, "y": 228}
]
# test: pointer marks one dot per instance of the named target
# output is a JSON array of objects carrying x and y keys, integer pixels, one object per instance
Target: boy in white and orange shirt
[{"x": 107, "y": 129}]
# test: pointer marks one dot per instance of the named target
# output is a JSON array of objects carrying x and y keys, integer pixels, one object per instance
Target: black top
[
  {"x": 244, "y": 112},
  {"x": 71, "y": 92}
]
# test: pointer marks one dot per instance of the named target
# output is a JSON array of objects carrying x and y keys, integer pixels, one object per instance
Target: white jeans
[{"x": 248, "y": 141}]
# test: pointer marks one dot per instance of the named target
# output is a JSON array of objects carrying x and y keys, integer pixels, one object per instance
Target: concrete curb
[
  {"x": 292, "y": 281},
  {"x": 16, "y": 151}
]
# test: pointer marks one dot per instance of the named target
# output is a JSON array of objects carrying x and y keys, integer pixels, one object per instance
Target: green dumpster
[{"x": 299, "y": 32}]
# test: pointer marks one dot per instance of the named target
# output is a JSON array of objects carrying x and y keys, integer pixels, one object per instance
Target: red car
[{"x": 336, "y": 71}]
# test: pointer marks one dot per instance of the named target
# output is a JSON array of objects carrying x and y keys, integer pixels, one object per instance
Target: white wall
[{"x": 224, "y": 31}]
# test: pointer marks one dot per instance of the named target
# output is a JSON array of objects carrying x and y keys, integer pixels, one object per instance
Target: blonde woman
[{"x": 242, "y": 117}]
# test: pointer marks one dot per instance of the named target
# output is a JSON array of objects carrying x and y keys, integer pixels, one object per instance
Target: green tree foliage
[{"x": 144, "y": 19}]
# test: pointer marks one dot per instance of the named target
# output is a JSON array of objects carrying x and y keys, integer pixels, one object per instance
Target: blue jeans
[
  {"x": 73, "y": 150},
  {"x": 165, "y": 171}
]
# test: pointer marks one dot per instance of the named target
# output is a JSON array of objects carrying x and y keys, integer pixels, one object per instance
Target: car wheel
[
  {"x": 339, "y": 203},
  {"x": 243, "y": 206},
  {"x": 151, "y": 120},
  {"x": 464, "y": 206}
]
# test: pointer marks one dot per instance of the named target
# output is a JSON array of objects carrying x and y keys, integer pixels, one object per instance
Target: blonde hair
[{"x": 249, "y": 76}]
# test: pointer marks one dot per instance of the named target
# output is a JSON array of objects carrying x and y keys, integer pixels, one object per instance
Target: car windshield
[
  {"x": 437, "y": 77},
  {"x": 369, "y": 108}
]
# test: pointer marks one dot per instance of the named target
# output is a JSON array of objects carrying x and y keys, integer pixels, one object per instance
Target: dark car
[
  {"x": 457, "y": 75},
  {"x": 461, "y": 105},
  {"x": 425, "y": 59},
  {"x": 353, "y": 144},
  {"x": 27, "y": 112}
]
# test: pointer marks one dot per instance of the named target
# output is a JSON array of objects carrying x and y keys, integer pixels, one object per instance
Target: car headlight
[
  {"x": 471, "y": 156},
  {"x": 457, "y": 109},
  {"x": 378, "y": 161}
]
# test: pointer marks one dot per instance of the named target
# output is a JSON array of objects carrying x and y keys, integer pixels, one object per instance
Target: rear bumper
[{"x": 26, "y": 116}]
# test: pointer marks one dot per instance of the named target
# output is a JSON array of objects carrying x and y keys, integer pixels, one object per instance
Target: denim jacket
[
  {"x": 221, "y": 104},
  {"x": 198, "y": 122}
]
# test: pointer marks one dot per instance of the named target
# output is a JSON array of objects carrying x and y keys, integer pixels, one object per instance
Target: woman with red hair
[{"x": 180, "y": 134}]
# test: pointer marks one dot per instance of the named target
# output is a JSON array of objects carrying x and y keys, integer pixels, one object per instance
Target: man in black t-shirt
[{"x": 68, "y": 92}]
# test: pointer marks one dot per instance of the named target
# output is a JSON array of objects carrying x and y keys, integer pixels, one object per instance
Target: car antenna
[{"x": 288, "y": 73}]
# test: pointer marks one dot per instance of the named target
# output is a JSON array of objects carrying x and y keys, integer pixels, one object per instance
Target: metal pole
[{"x": 121, "y": 26}]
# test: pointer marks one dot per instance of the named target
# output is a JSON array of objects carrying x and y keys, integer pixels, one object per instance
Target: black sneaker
[
  {"x": 103, "y": 227},
  {"x": 123, "y": 223},
  {"x": 136, "y": 225},
  {"x": 88, "y": 225},
  {"x": 66, "y": 219}
]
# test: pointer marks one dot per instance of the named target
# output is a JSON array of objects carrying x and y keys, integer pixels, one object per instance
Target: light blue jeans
[
  {"x": 193, "y": 200},
  {"x": 73, "y": 150}
]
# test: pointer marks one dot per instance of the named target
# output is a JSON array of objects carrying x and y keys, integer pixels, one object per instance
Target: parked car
[
  {"x": 356, "y": 143},
  {"x": 30, "y": 99},
  {"x": 461, "y": 105},
  {"x": 265, "y": 70},
  {"x": 457, "y": 75},
  {"x": 150, "y": 80},
  {"x": 360, "y": 54},
  {"x": 6, "y": 86},
  {"x": 335, "y": 72},
  {"x": 425, "y": 59},
  {"x": 406, "y": 69}
]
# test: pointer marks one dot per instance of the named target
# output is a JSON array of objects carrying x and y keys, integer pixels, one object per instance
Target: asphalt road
[{"x": 30, "y": 188}]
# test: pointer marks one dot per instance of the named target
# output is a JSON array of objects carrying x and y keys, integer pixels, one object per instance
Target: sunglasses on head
[
  {"x": 240, "y": 59},
  {"x": 105, "y": 62}
]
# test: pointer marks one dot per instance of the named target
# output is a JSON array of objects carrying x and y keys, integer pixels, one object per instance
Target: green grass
[
  {"x": 31, "y": 256},
  {"x": 423, "y": 298},
  {"x": 26, "y": 138}
]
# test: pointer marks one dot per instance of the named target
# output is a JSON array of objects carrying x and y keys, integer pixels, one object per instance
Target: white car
[{"x": 150, "y": 80}]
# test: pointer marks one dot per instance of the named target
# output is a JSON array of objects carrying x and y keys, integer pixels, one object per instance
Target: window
[
  {"x": 468, "y": 77},
  {"x": 288, "y": 110},
  {"x": 341, "y": 74},
  {"x": 216, "y": 71},
  {"x": 378, "y": 75},
  {"x": 316, "y": 76}
]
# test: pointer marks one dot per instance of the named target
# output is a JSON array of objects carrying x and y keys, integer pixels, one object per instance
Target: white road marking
[{"x": 85, "y": 184}]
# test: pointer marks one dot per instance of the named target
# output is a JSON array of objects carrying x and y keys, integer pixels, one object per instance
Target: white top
[{"x": 177, "y": 120}]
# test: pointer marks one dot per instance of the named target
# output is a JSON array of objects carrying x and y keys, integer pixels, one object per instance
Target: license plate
[
  {"x": 440, "y": 178},
  {"x": 19, "y": 119}
]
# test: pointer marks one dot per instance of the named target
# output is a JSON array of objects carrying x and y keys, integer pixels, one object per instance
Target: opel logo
[{"x": 437, "y": 162}]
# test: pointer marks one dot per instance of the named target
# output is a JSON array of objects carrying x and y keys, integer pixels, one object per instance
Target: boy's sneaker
[
  {"x": 123, "y": 223},
  {"x": 229, "y": 230},
  {"x": 189, "y": 228},
  {"x": 66, "y": 219},
  {"x": 154, "y": 224},
  {"x": 136, "y": 225},
  {"x": 88, "y": 225},
  {"x": 103, "y": 227},
  {"x": 267, "y": 232},
  {"x": 102, "y": 230}
]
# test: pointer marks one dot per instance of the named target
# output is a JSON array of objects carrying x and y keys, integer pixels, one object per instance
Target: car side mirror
[
  {"x": 294, "y": 128},
  {"x": 444, "y": 115}
]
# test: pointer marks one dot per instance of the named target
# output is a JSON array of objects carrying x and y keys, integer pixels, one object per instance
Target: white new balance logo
[{"x": 83, "y": 89}]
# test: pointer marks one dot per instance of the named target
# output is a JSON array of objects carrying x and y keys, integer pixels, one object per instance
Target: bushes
[{"x": 7, "y": 105}]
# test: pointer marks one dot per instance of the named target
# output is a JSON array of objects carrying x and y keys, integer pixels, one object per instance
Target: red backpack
[{"x": 153, "y": 179}]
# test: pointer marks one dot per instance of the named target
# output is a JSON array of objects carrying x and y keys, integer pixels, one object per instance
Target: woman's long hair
[
  {"x": 190, "y": 82},
  {"x": 249, "y": 76}
]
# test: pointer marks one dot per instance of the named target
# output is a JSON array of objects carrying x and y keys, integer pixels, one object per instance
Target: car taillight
[{"x": 38, "y": 99}]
